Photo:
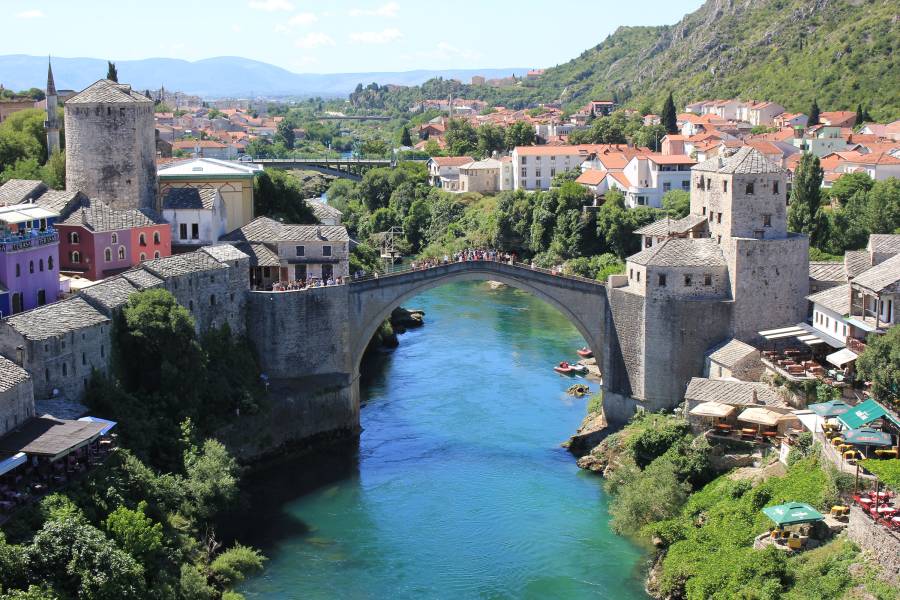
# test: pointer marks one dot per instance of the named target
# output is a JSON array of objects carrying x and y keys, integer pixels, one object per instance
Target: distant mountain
[
  {"x": 840, "y": 52},
  {"x": 213, "y": 77}
]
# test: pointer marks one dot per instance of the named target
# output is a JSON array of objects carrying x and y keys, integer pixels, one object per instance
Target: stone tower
[
  {"x": 52, "y": 122},
  {"x": 111, "y": 145}
]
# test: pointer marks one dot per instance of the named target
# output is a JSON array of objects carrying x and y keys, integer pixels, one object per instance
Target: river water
[{"x": 459, "y": 487}]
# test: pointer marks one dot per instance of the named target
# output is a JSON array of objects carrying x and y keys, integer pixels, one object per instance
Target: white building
[
  {"x": 197, "y": 216},
  {"x": 443, "y": 171}
]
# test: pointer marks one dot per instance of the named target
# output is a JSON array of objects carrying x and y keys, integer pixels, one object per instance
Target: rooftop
[
  {"x": 110, "y": 294},
  {"x": 884, "y": 243},
  {"x": 591, "y": 177},
  {"x": 60, "y": 201},
  {"x": 99, "y": 217},
  {"x": 264, "y": 229},
  {"x": 105, "y": 90},
  {"x": 223, "y": 252},
  {"x": 190, "y": 198},
  {"x": 827, "y": 271},
  {"x": 183, "y": 264},
  {"x": 856, "y": 261},
  {"x": 451, "y": 161},
  {"x": 323, "y": 210},
  {"x": 142, "y": 279},
  {"x": 836, "y": 299},
  {"x": 208, "y": 167},
  {"x": 11, "y": 374},
  {"x": 260, "y": 254},
  {"x": 745, "y": 160},
  {"x": 881, "y": 276},
  {"x": 732, "y": 352},
  {"x": 16, "y": 191},
  {"x": 47, "y": 436},
  {"x": 735, "y": 393},
  {"x": 681, "y": 252},
  {"x": 56, "y": 319}
]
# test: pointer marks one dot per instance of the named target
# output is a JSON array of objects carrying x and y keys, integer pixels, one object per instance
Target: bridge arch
[{"x": 583, "y": 302}]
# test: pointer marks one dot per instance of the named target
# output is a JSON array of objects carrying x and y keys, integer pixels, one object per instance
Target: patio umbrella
[
  {"x": 829, "y": 409},
  {"x": 760, "y": 416},
  {"x": 866, "y": 436},
  {"x": 712, "y": 409},
  {"x": 792, "y": 513}
]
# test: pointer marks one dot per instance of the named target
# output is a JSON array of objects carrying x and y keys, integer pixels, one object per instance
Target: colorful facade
[{"x": 29, "y": 258}]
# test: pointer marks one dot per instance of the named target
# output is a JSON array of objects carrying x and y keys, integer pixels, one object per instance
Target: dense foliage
[
  {"x": 880, "y": 364},
  {"x": 23, "y": 150}
]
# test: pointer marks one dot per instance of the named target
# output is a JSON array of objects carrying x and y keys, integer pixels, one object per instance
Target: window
[
  {"x": 83, "y": 359},
  {"x": 114, "y": 238},
  {"x": 195, "y": 231},
  {"x": 630, "y": 273},
  {"x": 648, "y": 242},
  {"x": 707, "y": 279},
  {"x": 639, "y": 276},
  {"x": 667, "y": 186},
  {"x": 156, "y": 237},
  {"x": 749, "y": 189},
  {"x": 759, "y": 234},
  {"x": 774, "y": 187},
  {"x": 524, "y": 172},
  {"x": 687, "y": 280},
  {"x": 143, "y": 257},
  {"x": 31, "y": 266},
  {"x": 102, "y": 351},
  {"x": 191, "y": 305},
  {"x": 718, "y": 217},
  {"x": 300, "y": 250},
  {"x": 65, "y": 369},
  {"x": 767, "y": 220},
  {"x": 662, "y": 280},
  {"x": 537, "y": 173},
  {"x": 725, "y": 185},
  {"x": 74, "y": 238},
  {"x": 156, "y": 254},
  {"x": 19, "y": 270},
  {"x": 182, "y": 231},
  {"x": 718, "y": 239},
  {"x": 41, "y": 265},
  {"x": 708, "y": 183},
  {"x": 49, "y": 263},
  {"x": 142, "y": 240},
  {"x": 553, "y": 172},
  {"x": 704, "y": 211},
  {"x": 121, "y": 252},
  {"x": 685, "y": 185},
  {"x": 107, "y": 255},
  {"x": 75, "y": 257},
  {"x": 212, "y": 300},
  {"x": 326, "y": 250}
]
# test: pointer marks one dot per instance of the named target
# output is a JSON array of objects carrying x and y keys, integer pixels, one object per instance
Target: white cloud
[
  {"x": 31, "y": 14},
  {"x": 236, "y": 28},
  {"x": 385, "y": 10},
  {"x": 304, "y": 18},
  {"x": 376, "y": 37},
  {"x": 314, "y": 40},
  {"x": 271, "y": 5}
]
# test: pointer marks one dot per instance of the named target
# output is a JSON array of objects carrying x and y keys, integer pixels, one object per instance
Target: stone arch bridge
[{"x": 310, "y": 342}]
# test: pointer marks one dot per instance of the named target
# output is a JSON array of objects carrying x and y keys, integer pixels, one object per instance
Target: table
[
  {"x": 723, "y": 426},
  {"x": 866, "y": 501},
  {"x": 880, "y": 495},
  {"x": 886, "y": 510}
]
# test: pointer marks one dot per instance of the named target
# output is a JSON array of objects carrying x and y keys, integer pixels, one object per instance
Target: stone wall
[
  {"x": 111, "y": 153},
  {"x": 623, "y": 366},
  {"x": 16, "y": 405},
  {"x": 881, "y": 544}
]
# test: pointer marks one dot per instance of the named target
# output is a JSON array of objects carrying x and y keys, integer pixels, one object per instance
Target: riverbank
[{"x": 670, "y": 489}]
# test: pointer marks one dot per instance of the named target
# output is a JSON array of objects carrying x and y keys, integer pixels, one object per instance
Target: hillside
[
  {"x": 213, "y": 77},
  {"x": 842, "y": 52}
]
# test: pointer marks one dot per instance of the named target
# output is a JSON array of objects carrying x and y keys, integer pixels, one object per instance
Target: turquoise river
[{"x": 459, "y": 487}]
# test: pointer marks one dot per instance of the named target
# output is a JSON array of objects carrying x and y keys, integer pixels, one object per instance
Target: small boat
[
  {"x": 585, "y": 353},
  {"x": 570, "y": 369},
  {"x": 579, "y": 369}
]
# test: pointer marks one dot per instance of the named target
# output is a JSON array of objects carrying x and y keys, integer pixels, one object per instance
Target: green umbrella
[
  {"x": 792, "y": 513},
  {"x": 866, "y": 436},
  {"x": 829, "y": 409}
]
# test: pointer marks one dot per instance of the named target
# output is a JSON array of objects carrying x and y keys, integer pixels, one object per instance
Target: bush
[{"x": 233, "y": 565}]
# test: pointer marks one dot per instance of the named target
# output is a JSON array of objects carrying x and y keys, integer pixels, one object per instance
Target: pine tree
[
  {"x": 669, "y": 116},
  {"x": 111, "y": 72},
  {"x": 860, "y": 115},
  {"x": 805, "y": 214},
  {"x": 813, "y": 114},
  {"x": 405, "y": 138}
]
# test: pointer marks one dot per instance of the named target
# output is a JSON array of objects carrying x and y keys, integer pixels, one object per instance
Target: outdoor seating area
[
  {"x": 802, "y": 365},
  {"x": 756, "y": 424},
  {"x": 798, "y": 526},
  {"x": 881, "y": 506},
  {"x": 867, "y": 430},
  {"x": 54, "y": 453}
]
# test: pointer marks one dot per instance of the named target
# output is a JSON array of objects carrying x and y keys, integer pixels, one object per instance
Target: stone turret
[
  {"x": 52, "y": 122},
  {"x": 111, "y": 147}
]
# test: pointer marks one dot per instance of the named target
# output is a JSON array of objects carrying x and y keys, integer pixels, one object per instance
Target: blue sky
[{"x": 329, "y": 37}]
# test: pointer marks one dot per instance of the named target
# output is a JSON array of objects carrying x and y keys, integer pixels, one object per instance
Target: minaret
[{"x": 52, "y": 122}]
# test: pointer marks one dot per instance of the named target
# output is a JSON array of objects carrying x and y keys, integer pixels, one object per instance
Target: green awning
[
  {"x": 865, "y": 413},
  {"x": 829, "y": 409},
  {"x": 792, "y": 513},
  {"x": 866, "y": 436}
]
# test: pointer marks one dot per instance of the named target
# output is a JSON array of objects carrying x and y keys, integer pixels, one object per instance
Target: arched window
[
  {"x": 49, "y": 263},
  {"x": 41, "y": 265},
  {"x": 76, "y": 257},
  {"x": 74, "y": 238},
  {"x": 121, "y": 252},
  {"x": 156, "y": 237},
  {"x": 142, "y": 240},
  {"x": 143, "y": 257},
  {"x": 114, "y": 238},
  {"x": 31, "y": 266},
  {"x": 156, "y": 254},
  {"x": 107, "y": 255}
]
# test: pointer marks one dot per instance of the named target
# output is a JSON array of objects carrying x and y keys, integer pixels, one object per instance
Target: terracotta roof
[
  {"x": 451, "y": 161},
  {"x": 681, "y": 252},
  {"x": 835, "y": 298},
  {"x": 872, "y": 158},
  {"x": 188, "y": 144},
  {"x": 591, "y": 177},
  {"x": 621, "y": 178}
]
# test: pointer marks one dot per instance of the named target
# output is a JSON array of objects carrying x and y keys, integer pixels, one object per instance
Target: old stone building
[
  {"x": 16, "y": 396},
  {"x": 111, "y": 145}
]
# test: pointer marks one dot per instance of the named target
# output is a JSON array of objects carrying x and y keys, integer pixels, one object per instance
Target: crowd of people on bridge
[
  {"x": 474, "y": 254},
  {"x": 305, "y": 284}
]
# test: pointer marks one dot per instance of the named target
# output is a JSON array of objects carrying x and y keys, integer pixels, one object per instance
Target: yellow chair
[
  {"x": 845, "y": 447},
  {"x": 795, "y": 543},
  {"x": 849, "y": 455},
  {"x": 837, "y": 441}
]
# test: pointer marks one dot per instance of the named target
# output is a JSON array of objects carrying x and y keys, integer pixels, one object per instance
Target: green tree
[
  {"x": 53, "y": 173},
  {"x": 848, "y": 184},
  {"x": 860, "y": 116},
  {"x": 813, "y": 114},
  {"x": 519, "y": 133},
  {"x": 880, "y": 364},
  {"x": 211, "y": 483},
  {"x": 286, "y": 134},
  {"x": 279, "y": 195},
  {"x": 883, "y": 206},
  {"x": 805, "y": 214},
  {"x": 235, "y": 564},
  {"x": 490, "y": 139},
  {"x": 135, "y": 532},
  {"x": 415, "y": 225},
  {"x": 111, "y": 72},
  {"x": 669, "y": 115},
  {"x": 375, "y": 188},
  {"x": 405, "y": 137},
  {"x": 461, "y": 138},
  {"x": 677, "y": 203}
]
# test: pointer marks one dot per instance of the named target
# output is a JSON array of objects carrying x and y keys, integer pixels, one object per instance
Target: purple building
[{"x": 29, "y": 258}]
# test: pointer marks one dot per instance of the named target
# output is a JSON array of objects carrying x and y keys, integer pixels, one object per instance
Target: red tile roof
[
  {"x": 451, "y": 161},
  {"x": 671, "y": 159},
  {"x": 591, "y": 177}
]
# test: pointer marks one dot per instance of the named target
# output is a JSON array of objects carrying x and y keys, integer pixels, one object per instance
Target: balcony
[{"x": 17, "y": 243}]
